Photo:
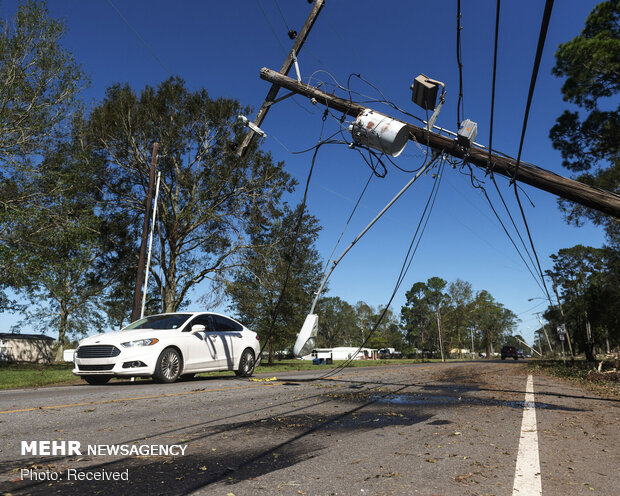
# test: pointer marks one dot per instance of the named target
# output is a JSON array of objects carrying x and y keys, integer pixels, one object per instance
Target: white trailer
[{"x": 342, "y": 353}]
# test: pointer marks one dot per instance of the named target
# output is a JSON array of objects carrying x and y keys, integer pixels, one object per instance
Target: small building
[{"x": 32, "y": 348}]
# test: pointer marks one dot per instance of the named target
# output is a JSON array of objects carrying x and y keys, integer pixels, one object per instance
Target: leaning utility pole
[
  {"x": 270, "y": 99},
  {"x": 443, "y": 356},
  {"x": 545, "y": 331},
  {"x": 588, "y": 196},
  {"x": 135, "y": 312}
]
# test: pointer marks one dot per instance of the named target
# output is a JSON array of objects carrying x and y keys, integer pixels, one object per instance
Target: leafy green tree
[
  {"x": 589, "y": 141},
  {"x": 589, "y": 138},
  {"x": 436, "y": 299},
  {"x": 56, "y": 242},
  {"x": 276, "y": 277},
  {"x": 118, "y": 267},
  {"x": 458, "y": 313},
  {"x": 492, "y": 321},
  {"x": 387, "y": 332},
  {"x": 338, "y": 324},
  {"x": 457, "y": 318},
  {"x": 423, "y": 310},
  {"x": 513, "y": 341},
  {"x": 210, "y": 199},
  {"x": 39, "y": 84},
  {"x": 416, "y": 317},
  {"x": 588, "y": 279},
  {"x": 392, "y": 334},
  {"x": 365, "y": 318}
]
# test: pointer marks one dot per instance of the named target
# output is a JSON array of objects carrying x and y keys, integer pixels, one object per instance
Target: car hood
[{"x": 117, "y": 337}]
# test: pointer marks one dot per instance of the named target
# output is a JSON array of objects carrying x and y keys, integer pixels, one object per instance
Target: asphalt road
[{"x": 430, "y": 429}]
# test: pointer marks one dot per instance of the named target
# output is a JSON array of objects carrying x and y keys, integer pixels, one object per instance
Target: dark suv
[{"x": 509, "y": 351}]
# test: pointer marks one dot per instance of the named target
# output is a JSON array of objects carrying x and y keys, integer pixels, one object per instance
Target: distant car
[
  {"x": 509, "y": 352},
  {"x": 167, "y": 347},
  {"x": 385, "y": 353}
]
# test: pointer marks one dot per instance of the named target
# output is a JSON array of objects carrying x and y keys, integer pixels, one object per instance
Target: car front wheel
[
  {"x": 168, "y": 368},
  {"x": 246, "y": 364}
]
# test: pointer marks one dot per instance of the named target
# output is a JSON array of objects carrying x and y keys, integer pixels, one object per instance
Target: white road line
[{"x": 527, "y": 474}]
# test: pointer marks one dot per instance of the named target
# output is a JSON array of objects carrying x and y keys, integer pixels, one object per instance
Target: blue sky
[{"x": 221, "y": 46}]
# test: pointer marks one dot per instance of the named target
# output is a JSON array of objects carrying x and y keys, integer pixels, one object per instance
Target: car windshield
[{"x": 159, "y": 322}]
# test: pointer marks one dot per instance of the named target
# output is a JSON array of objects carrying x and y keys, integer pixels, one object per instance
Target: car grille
[
  {"x": 98, "y": 351},
  {"x": 87, "y": 368}
]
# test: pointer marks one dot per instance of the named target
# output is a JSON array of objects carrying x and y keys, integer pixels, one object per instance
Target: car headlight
[{"x": 140, "y": 342}]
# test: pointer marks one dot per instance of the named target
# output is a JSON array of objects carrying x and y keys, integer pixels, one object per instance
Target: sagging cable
[{"x": 306, "y": 342}]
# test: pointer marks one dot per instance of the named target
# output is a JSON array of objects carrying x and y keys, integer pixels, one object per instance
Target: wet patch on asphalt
[{"x": 432, "y": 400}]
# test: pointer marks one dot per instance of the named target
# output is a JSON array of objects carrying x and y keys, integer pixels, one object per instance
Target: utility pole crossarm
[
  {"x": 288, "y": 63},
  {"x": 569, "y": 189}
]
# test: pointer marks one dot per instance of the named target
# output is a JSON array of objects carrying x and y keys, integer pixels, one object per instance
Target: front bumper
[{"x": 131, "y": 362}]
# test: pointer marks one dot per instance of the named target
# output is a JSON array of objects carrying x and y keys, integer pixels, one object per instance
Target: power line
[
  {"x": 490, "y": 168},
  {"x": 539, "y": 50},
  {"x": 459, "y": 104},
  {"x": 346, "y": 225},
  {"x": 369, "y": 98},
  {"x": 478, "y": 185},
  {"x": 511, "y": 218},
  {"x": 493, "y": 83},
  {"x": 421, "y": 227},
  {"x": 260, "y": 6},
  {"x": 292, "y": 34},
  {"x": 139, "y": 37},
  {"x": 291, "y": 254},
  {"x": 281, "y": 15},
  {"x": 583, "y": 194}
]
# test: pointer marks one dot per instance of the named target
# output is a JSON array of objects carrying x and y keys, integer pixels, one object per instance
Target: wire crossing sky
[{"x": 222, "y": 46}]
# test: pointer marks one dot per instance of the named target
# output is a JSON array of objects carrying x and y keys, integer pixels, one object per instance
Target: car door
[
  {"x": 229, "y": 337},
  {"x": 202, "y": 347}
]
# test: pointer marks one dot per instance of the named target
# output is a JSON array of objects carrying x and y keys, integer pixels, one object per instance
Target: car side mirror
[{"x": 198, "y": 328}]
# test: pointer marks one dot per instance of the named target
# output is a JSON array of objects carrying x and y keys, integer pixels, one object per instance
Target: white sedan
[{"x": 169, "y": 346}]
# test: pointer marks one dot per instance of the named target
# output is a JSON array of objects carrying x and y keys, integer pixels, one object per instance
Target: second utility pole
[{"x": 135, "y": 312}]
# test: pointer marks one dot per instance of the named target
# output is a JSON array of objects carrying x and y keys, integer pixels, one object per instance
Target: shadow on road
[{"x": 253, "y": 448}]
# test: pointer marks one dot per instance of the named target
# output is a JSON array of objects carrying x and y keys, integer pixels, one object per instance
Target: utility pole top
[{"x": 288, "y": 63}]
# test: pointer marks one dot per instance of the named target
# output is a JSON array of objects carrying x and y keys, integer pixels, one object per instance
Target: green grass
[{"x": 24, "y": 375}]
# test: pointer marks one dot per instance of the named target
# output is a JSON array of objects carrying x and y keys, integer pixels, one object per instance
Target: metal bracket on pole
[
  {"x": 442, "y": 99},
  {"x": 296, "y": 66},
  {"x": 252, "y": 126}
]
